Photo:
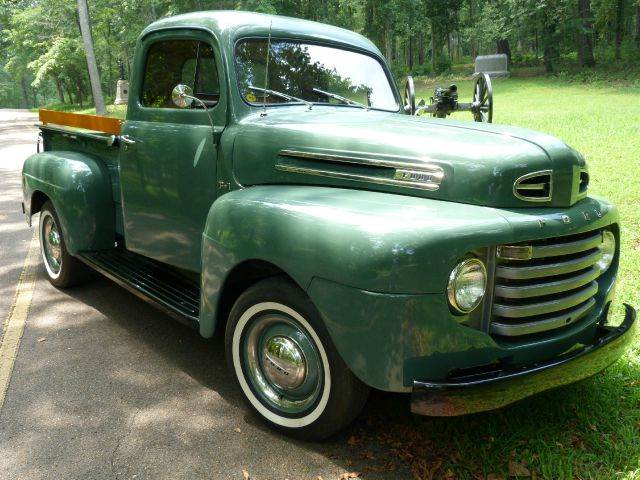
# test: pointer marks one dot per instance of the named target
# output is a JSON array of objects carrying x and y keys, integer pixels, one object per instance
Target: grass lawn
[
  {"x": 117, "y": 111},
  {"x": 592, "y": 429}
]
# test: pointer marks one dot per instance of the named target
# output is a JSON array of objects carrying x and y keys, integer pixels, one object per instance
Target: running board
[{"x": 149, "y": 280}]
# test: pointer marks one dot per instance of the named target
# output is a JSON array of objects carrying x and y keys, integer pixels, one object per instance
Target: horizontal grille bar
[
  {"x": 567, "y": 248},
  {"x": 544, "y": 307},
  {"x": 543, "y": 324},
  {"x": 547, "y": 288},
  {"x": 545, "y": 284},
  {"x": 532, "y": 186},
  {"x": 548, "y": 269}
]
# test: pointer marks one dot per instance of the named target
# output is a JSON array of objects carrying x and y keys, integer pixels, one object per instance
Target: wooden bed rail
[{"x": 80, "y": 120}]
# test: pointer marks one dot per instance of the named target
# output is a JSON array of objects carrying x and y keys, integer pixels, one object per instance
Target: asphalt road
[{"x": 106, "y": 386}]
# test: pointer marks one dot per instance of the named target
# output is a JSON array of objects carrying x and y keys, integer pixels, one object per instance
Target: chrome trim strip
[
  {"x": 487, "y": 305},
  {"x": 542, "y": 308},
  {"x": 357, "y": 177},
  {"x": 511, "y": 330},
  {"x": 549, "y": 288},
  {"x": 393, "y": 162},
  {"x": 516, "y": 186},
  {"x": 567, "y": 248},
  {"x": 538, "y": 271}
]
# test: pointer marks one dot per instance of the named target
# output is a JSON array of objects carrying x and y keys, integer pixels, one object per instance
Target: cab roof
[{"x": 230, "y": 25}]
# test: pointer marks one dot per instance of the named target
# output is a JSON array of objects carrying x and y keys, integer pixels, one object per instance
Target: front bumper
[{"x": 495, "y": 389}]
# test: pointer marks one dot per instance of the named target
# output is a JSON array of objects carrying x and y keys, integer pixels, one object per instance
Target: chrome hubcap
[
  {"x": 284, "y": 363},
  {"x": 51, "y": 243}
]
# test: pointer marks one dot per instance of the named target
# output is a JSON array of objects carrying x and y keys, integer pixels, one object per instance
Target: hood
[{"x": 465, "y": 162}]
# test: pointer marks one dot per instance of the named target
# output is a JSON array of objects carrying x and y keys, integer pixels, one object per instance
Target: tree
[
  {"x": 92, "y": 66},
  {"x": 585, "y": 34},
  {"x": 444, "y": 18},
  {"x": 638, "y": 25},
  {"x": 620, "y": 7}
]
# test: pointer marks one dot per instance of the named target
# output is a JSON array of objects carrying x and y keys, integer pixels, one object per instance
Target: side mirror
[
  {"x": 182, "y": 96},
  {"x": 410, "y": 96}
]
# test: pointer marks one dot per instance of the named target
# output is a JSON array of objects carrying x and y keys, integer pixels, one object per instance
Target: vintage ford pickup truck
[{"x": 269, "y": 183}]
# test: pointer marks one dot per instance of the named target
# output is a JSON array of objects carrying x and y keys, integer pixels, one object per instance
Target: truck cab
[{"x": 270, "y": 184}]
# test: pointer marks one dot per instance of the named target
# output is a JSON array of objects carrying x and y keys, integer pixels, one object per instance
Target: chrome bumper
[{"x": 488, "y": 391}]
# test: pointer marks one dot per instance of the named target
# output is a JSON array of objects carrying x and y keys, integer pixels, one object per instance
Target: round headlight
[
  {"x": 608, "y": 250},
  {"x": 467, "y": 284}
]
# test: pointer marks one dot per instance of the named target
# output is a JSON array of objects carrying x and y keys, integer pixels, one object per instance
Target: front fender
[
  {"x": 79, "y": 186},
  {"x": 373, "y": 241}
]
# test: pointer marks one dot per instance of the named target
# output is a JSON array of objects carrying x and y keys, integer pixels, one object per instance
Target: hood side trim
[
  {"x": 419, "y": 184},
  {"x": 389, "y": 161}
]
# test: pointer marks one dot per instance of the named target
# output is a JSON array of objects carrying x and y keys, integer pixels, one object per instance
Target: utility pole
[{"x": 94, "y": 76}]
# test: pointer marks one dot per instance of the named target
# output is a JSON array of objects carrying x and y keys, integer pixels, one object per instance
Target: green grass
[
  {"x": 590, "y": 430},
  {"x": 117, "y": 111}
]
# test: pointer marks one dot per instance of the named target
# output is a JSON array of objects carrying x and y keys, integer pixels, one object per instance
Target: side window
[{"x": 171, "y": 62}]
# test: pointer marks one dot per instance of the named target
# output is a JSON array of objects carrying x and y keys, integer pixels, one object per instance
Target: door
[{"x": 169, "y": 154}]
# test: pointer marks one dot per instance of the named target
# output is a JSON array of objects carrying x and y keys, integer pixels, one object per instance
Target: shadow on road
[{"x": 164, "y": 390}]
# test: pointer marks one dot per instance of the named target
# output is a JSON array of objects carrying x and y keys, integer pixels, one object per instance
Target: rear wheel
[
  {"x": 62, "y": 269},
  {"x": 286, "y": 365}
]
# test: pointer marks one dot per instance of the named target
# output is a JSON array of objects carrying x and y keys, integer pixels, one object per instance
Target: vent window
[{"x": 534, "y": 187}]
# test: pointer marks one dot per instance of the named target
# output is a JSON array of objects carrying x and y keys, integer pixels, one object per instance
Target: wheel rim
[
  {"x": 263, "y": 327},
  {"x": 483, "y": 99},
  {"x": 51, "y": 244},
  {"x": 282, "y": 364}
]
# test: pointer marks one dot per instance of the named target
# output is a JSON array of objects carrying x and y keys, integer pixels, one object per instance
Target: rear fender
[{"x": 79, "y": 186}]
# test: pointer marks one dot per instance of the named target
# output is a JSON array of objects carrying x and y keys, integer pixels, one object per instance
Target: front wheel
[{"x": 286, "y": 365}]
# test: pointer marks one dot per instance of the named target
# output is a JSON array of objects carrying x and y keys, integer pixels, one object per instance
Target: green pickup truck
[{"x": 270, "y": 183}]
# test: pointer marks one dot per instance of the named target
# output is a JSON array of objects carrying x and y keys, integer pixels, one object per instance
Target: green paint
[{"x": 373, "y": 256}]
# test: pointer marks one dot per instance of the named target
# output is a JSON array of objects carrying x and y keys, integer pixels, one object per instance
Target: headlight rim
[
  {"x": 608, "y": 233},
  {"x": 451, "y": 293}
]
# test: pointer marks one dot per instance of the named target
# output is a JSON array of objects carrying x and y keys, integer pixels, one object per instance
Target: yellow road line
[{"x": 14, "y": 325}]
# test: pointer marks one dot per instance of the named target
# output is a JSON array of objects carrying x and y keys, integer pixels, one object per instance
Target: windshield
[{"x": 313, "y": 73}]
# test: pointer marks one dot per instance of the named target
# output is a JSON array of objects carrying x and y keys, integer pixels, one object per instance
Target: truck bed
[{"x": 100, "y": 145}]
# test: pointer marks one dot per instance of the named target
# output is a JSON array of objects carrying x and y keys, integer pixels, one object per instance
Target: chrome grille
[
  {"x": 552, "y": 287},
  {"x": 534, "y": 187}
]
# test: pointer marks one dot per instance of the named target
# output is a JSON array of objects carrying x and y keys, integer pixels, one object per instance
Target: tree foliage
[{"x": 42, "y": 57}]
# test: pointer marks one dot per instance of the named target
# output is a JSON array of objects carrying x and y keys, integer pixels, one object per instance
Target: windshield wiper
[
  {"x": 286, "y": 96},
  {"x": 340, "y": 98}
]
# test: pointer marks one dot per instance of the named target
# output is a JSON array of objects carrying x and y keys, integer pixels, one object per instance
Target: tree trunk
[
  {"x": 59, "y": 89},
  {"x": 410, "y": 53},
  {"x": 585, "y": 34},
  {"x": 619, "y": 26},
  {"x": 68, "y": 89},
  {"x": 388, "y": 46},
  {"x": 24, "y": 98},
  {"x": 433, "y": 47},
  {"x": 502, "y": 46},
  {"x": 551, "y": 51},
  {"x": 638, "y": 25},
  {"x": 94, "y": 76},
  {"x": 421, "y": 47}
]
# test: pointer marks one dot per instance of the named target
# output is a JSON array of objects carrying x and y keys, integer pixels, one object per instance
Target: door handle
[{"x": 127, "y": 139}]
